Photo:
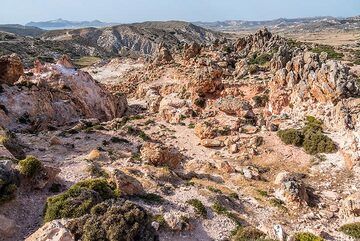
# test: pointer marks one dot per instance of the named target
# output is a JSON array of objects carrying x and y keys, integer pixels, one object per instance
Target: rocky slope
[
  {"x": 140, "y": 38},
  {"x": 247, "y": 139}
]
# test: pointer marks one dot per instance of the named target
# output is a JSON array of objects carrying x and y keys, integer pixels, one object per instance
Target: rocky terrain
[{"x": 253, "y": 138}]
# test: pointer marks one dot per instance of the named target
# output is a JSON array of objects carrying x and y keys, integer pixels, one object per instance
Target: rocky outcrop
[
  {"x": 261, "y": 41},
  {"x": 52, "y": 231},
  {"x": 307, "y": 77},
  {"x": 159, "y": 155},
  {"x": 57, "y": 95},
  {"x": 163, "y": 55},
  {"x": 207, "y": 80},
  {"x": 291, "y": 189},
  {"x": 11, "y": 69},
  {"x": 191, "y": 50}
]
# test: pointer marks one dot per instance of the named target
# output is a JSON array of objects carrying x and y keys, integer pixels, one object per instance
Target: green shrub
[
  {"x": 352, "y": 229},
  {"x": 315, "y": 143},
  {"x": 214, "y": 190},
  {"x": 260, "y": 59},
  {"x": 114, "y": 221},
  {"x": 307, "y": 237},
  {"x": 247, "y": 234},
  {"x": 310, "y": 137},
  {"x": 30, "y": 166},
  {"x": 218, "y": 208},
  {"x": 198, "y": 206},
  {"x": 291, "y": 137},
  {"x": 78, "y": 200}
]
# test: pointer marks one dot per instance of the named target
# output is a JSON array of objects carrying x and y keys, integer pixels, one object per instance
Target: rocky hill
[
  {"x": 139, "y": 38},
  {"x": 21, "y": 30},
  {"x": 65, "y": 24},
  {"x": 315, "y": 24},
  {"x": 253, "y": 138}
]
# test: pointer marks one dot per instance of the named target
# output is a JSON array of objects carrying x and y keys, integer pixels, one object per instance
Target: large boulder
[
  {"x": 52, "y": 231},
  {"x": 350, "y": 206},
  {"x": 291, "y": 189},
  {"x": 172, "y": 108},
  {"x": 159, "y": 155},
  {"x": 57, "y": 95},
  {"x": 11, "y": 69},
  {"x": 127, "y": 185},
  {"x": 235, "y": 106}
]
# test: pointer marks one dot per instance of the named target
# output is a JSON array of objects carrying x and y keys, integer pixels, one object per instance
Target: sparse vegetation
[
  {"x": 260, "y": 59},
  {"x": 78, "y": 200},
  {"x": 198, "y": 206},
  {"x": 307, "y": 237},
  {"x": 137, "y": 132},
  {"x": 332, "y": 54},
  {"x": 214, "y": 190},
  {"x": 86, "y": 61},
  {"x": 97, "y": 171},
  {"x": 352, "y": 230},
  {"x": 278, "y": 203},
  {"x": 30, "y": 166}
]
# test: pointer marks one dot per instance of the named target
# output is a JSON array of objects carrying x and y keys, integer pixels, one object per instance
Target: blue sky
[{"x": 23, "y": 11}]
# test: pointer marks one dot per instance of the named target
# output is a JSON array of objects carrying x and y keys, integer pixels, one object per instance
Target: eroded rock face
[
  {"x": 159, "y": 155},
  {"x": 306, "y": 77},
  {"x": 11, "y": 69},
  {"x": 52, "y": 231},
  {"x": 57, "y": 95}
]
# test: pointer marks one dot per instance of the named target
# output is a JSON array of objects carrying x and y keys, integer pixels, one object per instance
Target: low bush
[
  {"x": 352, "y": 230},
  {"x": 78, "y": 200},
  {"x": 307, "y": 237},
  {"x": 114, "y": 221},
  {"x": 198, "y": 206},
  {"x": 151, "y": 198},
  {"x": 247, "y": 234},
  {"x": 291, "y": 137},
  {"x": 310, "y": 137},
  {"x": 30, "y": 166}
]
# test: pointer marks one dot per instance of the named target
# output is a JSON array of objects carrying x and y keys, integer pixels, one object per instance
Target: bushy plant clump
[
  {"x": 30, "y": 166},
  {"x": 248, "y": 233},
  {"x": 352, "y": 230},
  {"x": 310, "y": 137},
  {"x": 332, "y": 54},
  {"x": 78, "y": 200},
  {"x": 198, "y": 206},
  {"x": 307, "y": 237},
  {"x": 112, "y": 220}
]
